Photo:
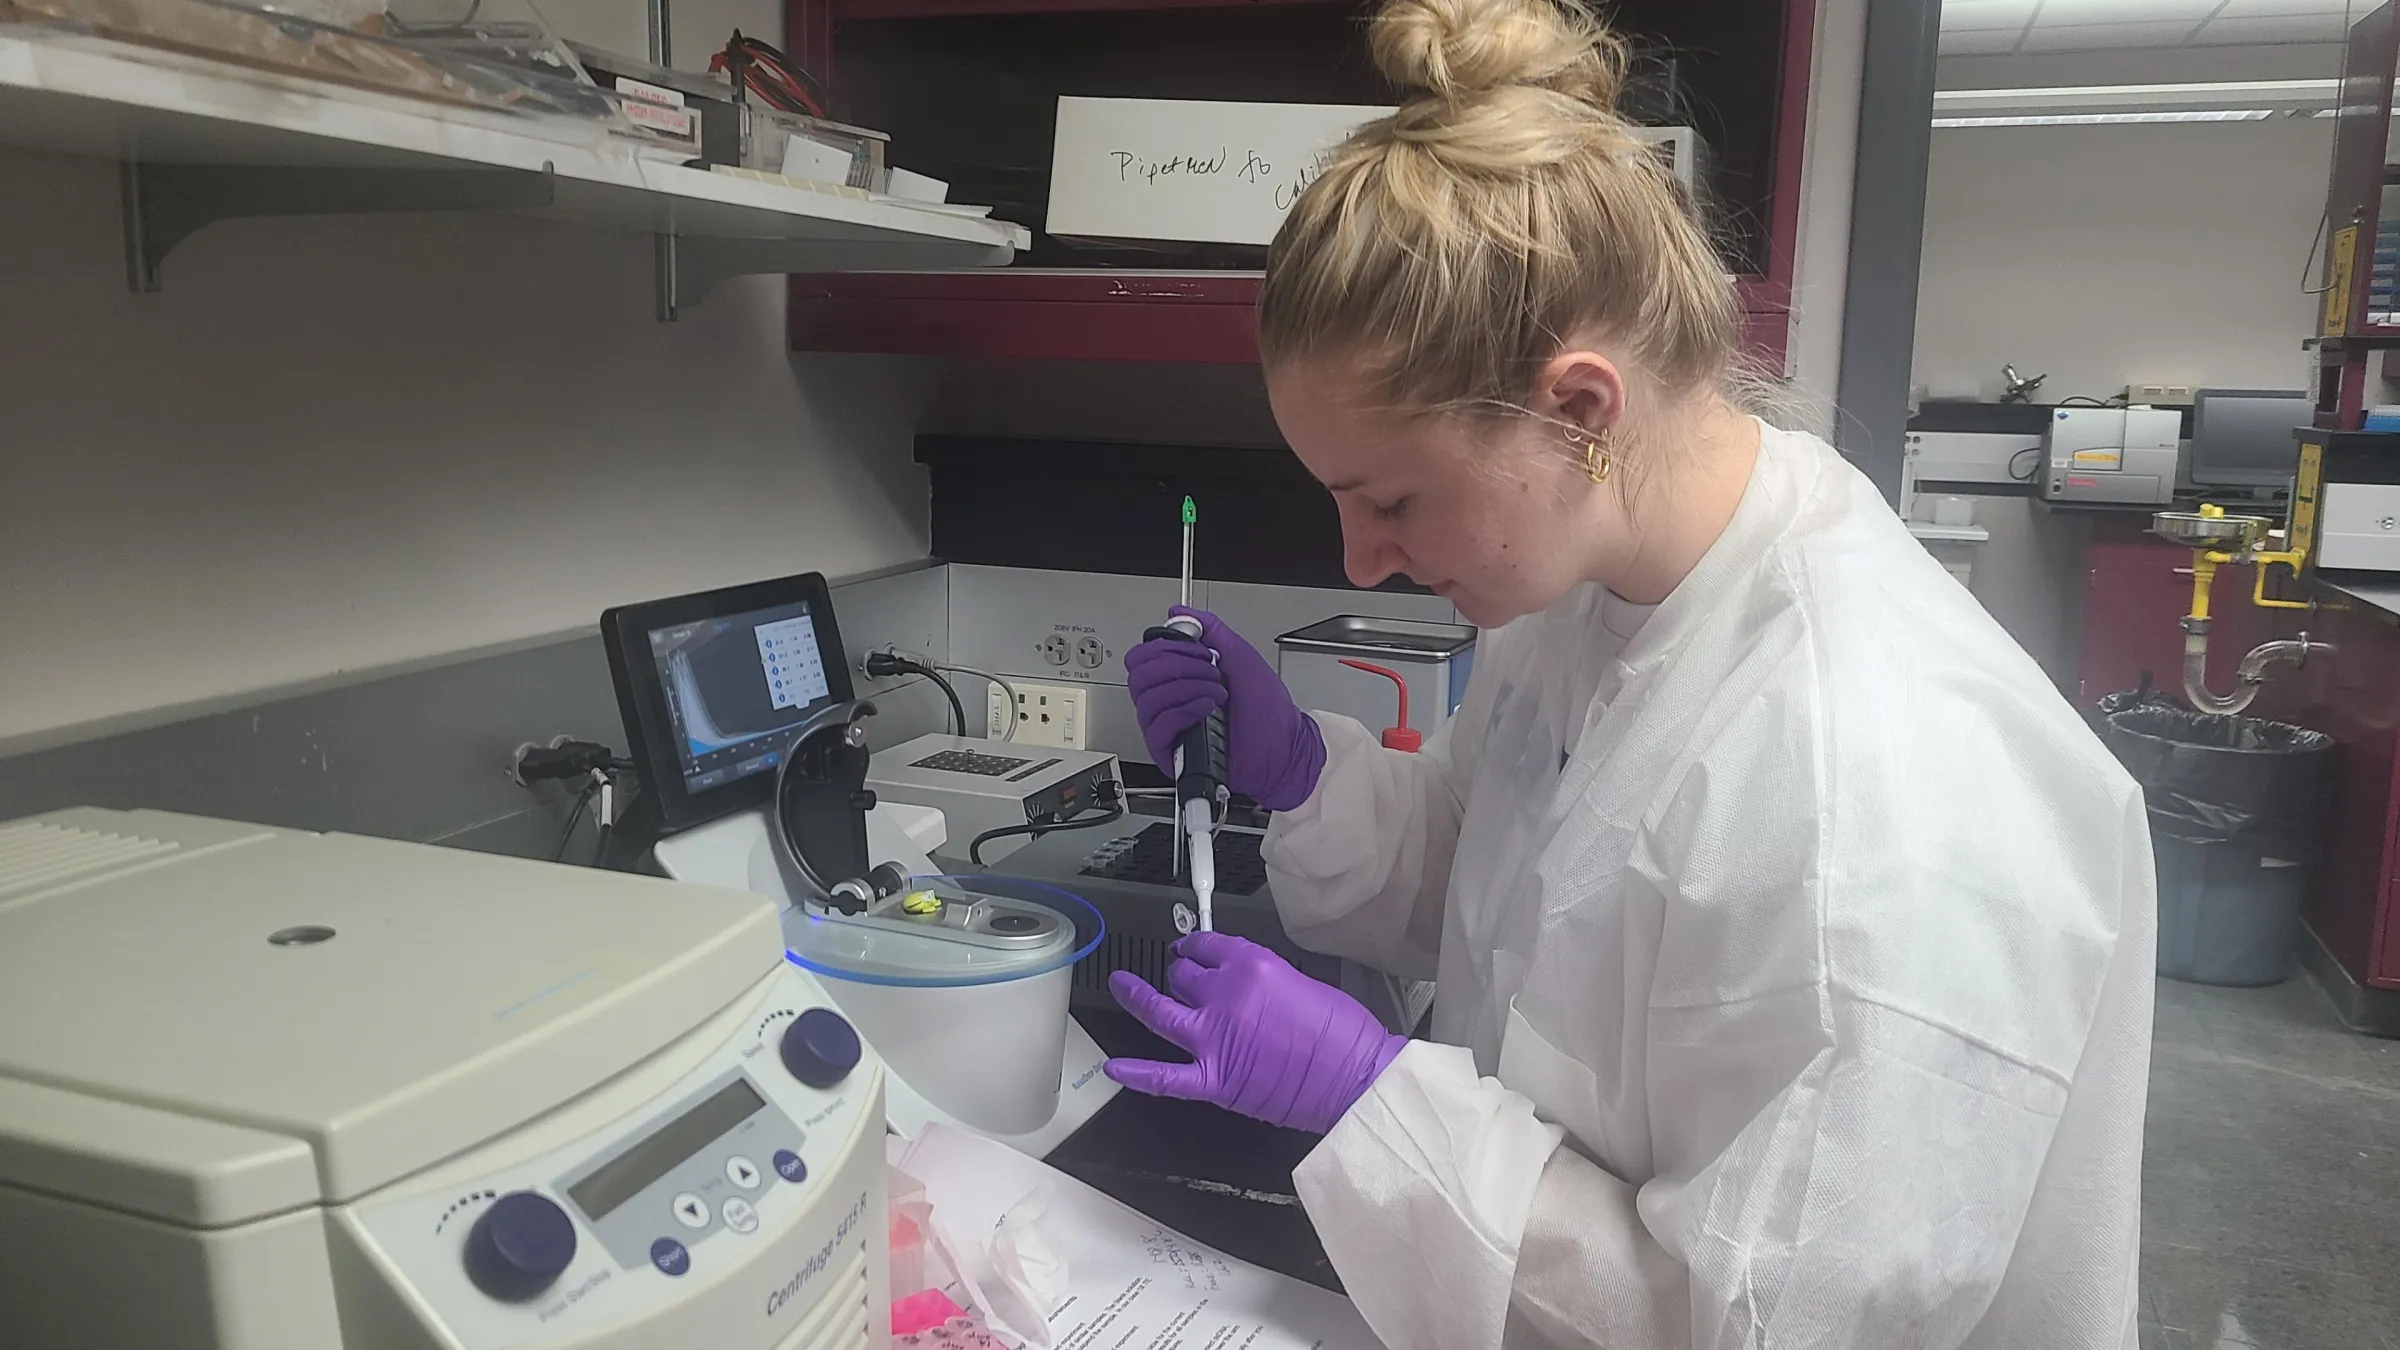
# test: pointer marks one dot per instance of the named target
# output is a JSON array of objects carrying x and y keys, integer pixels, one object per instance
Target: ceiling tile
[
  {"x": 2054, "y": 12},
  {"x": 2251, "y": 9},
  {"x": 2265, "y": 30},
  {"x": 2094, "y": 36},
  {"x": 1985, "y": 15},
  {"x": 1979, "y": 42}
]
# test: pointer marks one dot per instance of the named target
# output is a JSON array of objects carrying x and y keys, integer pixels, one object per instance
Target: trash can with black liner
[{"x": 2238, "y": 810}]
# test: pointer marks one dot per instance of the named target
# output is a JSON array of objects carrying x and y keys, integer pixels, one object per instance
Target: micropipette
[{"x": 1199, "y": 757}]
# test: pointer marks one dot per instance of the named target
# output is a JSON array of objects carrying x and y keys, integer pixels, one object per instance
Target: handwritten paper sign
[{"x": 1222, "y": 173}]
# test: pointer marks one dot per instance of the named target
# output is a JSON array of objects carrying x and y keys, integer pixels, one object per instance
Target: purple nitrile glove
[
  {"x": 1268, "y": 1041},
  {"x": 1273, "y": 751}
]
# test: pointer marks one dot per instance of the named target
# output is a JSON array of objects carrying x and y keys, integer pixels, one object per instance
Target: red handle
[{"x": 1400, "y": 737}]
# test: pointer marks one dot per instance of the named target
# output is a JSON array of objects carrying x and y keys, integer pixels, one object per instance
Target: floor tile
[
  {"x": 2234, "y": 1301},
  {"x": 2271, "y": 1158}
]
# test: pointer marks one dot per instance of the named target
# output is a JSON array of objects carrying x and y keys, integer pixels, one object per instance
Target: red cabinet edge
[{"x": 1096, "y": 315}]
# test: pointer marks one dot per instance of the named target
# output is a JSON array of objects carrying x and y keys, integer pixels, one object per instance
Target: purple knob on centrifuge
[
  {"x": 820, "y": 1048},
  {"x": 519, "y": 1246}
]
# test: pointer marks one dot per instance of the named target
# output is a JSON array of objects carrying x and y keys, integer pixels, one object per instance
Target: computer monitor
[
  {"x": 2242, "y": 438},
  {"x": 713, "y": 685}
]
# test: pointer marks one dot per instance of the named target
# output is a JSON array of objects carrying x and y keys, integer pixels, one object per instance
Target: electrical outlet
[
  {"x": 2160, "y": 395},
  {"x": 1047, "y": 714}
]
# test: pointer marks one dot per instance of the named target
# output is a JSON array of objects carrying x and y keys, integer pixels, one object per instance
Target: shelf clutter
[
  {"x": 204, "y": 140},
  {"x": 981, "y": 93}
]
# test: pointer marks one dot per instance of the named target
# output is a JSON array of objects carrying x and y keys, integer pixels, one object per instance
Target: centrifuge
[{"x": 264, "y": 1089}]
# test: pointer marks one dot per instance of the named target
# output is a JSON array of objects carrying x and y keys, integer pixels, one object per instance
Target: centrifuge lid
[
  {"x": 180, "y": 1037},
  {"x": 896, "y": 950}
]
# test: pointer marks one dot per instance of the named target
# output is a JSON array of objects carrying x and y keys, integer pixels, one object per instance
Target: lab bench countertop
[
  {"x": 2379, "y": 590},
  {"x": 1212, "y": 1175}
]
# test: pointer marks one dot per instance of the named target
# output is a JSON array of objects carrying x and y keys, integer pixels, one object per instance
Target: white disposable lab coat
[{"x": 1812, "y": 920}]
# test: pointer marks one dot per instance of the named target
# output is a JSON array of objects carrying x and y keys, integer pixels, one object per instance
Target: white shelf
[
  {"x": 1949, "y": 534},
  {"x": 223, "y": 141}
]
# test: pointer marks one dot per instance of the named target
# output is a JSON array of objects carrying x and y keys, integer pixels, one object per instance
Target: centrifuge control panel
[{"x": 748, "y": 1187}]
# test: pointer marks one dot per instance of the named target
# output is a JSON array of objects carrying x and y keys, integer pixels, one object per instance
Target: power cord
[
  {"x": 1114, "y": 814},
  {"x": 567, "y": 758},
  {"x": 888, "y": 664},
  {"x": 1008, "y": 725},
  {"x": 564, "y": 758},
  {"x": 583, "y": 800},
  {"x": 776, "y": 79}
]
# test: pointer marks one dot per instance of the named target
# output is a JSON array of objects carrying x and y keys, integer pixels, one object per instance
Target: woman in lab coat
[{"x": 1793, "y": 936}]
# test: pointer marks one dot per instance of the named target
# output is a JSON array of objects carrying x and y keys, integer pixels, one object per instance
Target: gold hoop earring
[{"x": 1598, "y": 463}]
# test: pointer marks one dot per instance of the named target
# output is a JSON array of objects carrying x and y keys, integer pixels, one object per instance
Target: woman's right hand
[{"x": 1274, "y": 752}]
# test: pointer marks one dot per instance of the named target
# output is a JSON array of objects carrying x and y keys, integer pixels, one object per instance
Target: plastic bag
[
  {"x": 2212, "y": 780},
  {"x": 1015, "y": 1275}
]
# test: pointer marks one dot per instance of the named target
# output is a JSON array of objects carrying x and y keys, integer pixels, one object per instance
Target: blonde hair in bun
[{"x": 1448, "y": 250}]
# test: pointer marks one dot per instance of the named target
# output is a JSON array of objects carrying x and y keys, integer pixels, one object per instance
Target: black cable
[
  {"x": 574, "y": 818},
  {"x": 884, "y": 665},
  {"x": 1040, "y": 828},
  {"x": 958, "y": 710},
  {"x": 2026, "y": 476}
]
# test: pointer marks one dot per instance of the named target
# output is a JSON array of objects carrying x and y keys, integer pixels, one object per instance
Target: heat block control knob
[
  {"x": 519, "y": 1246},
  {"x": 820, "y": 1048}
]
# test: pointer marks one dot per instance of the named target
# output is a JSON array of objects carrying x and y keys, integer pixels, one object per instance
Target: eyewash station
[
  {"x": 2295, "y": 619},
  {"x": 2218, "y": 539}
]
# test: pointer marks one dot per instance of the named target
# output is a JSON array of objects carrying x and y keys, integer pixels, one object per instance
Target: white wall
[
  {"x": 338, "y": 444},
  {"x": 2165, "y": 252}
]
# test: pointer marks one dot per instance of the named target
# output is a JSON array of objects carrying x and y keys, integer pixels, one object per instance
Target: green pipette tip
[{"x": 1191, "y": 513}]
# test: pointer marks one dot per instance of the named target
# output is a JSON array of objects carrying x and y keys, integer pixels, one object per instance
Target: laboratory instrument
[
  {"x": 1127, "y": 871},
  {"x": 2115, "y": 456},
  {"x": 1199, "y": 768},
  {"x": 1436, "y": 660},
  {"x": 2348, "y": 499},
  {"x": 715, "y": 688},
  {"x": 264, "y": 1088},
  {"x": 962, "y": 982},
  {"x": 712, "y": 685},
  {"x": 2360, "y": 524},
  {"x": 1946, "y": 460},
  {"x": 984, "y": 786},
  {"x": 2242, "y": 440}
]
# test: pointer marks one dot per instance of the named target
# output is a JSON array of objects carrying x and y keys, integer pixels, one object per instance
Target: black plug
[
  {"x": 566, "y": 759},
  {"x": 885, "y": 665}
]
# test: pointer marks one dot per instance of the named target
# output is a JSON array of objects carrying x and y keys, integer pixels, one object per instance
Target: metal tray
[{"x": 1358, "y": 634}]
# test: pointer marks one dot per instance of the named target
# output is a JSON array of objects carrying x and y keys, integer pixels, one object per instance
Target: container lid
[
  {"x": 1402, "y": 639},
  {"x": 943, "y": 932},
  {"x": 212, "y": 1022}
]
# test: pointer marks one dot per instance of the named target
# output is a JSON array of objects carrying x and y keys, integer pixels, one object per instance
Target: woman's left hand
[{"x": 1266, "y": 1040}]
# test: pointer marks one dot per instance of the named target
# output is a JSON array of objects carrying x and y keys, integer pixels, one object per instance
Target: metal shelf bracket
[
  {"x": 699, "y": 265},
  {"x": 166, "y": 204}
]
